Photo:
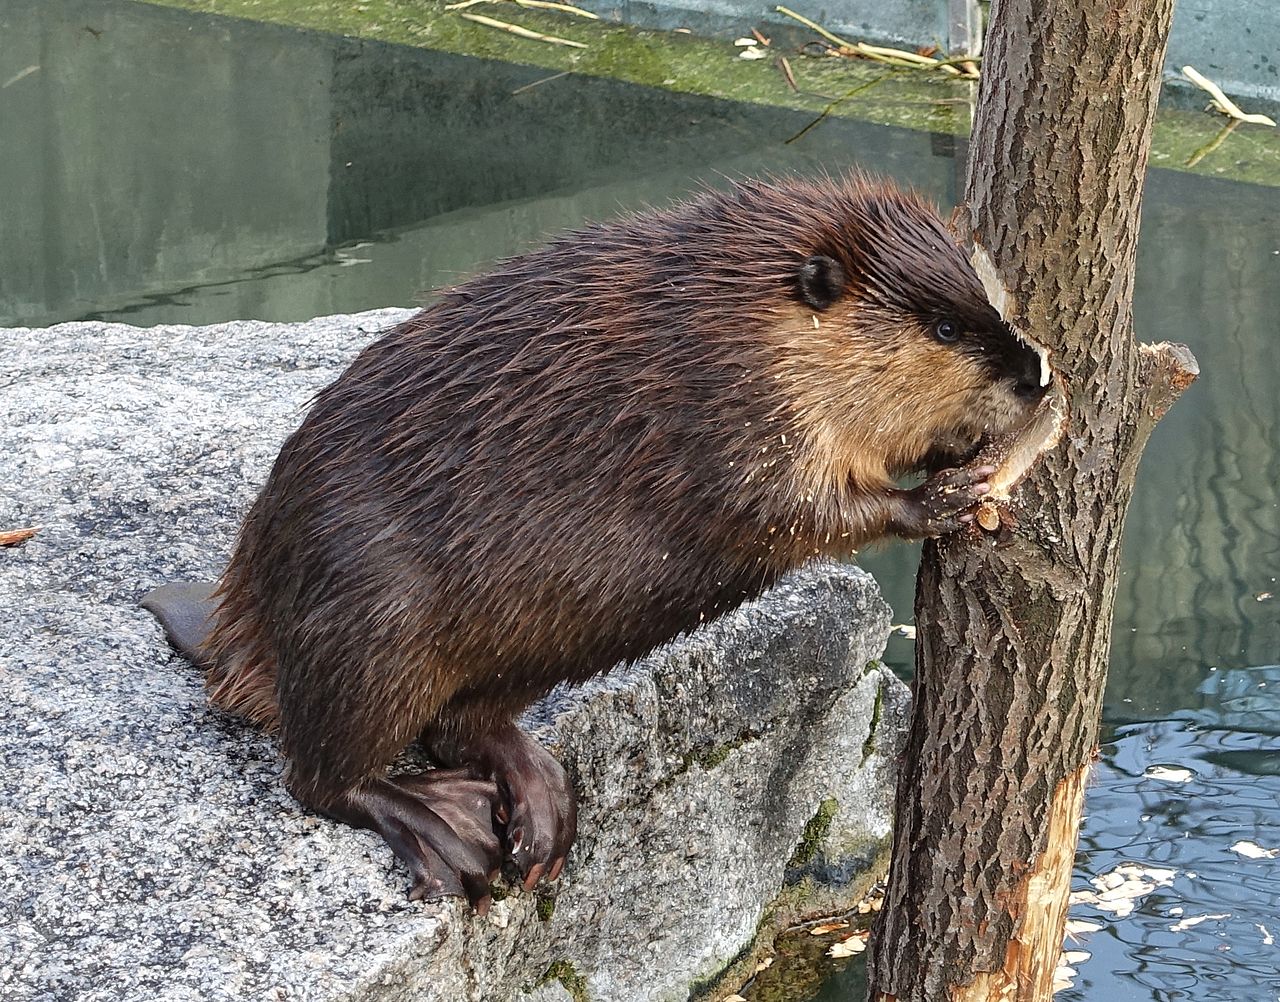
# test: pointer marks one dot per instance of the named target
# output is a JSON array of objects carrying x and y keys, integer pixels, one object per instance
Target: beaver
[{"x": 572, "y": 459}]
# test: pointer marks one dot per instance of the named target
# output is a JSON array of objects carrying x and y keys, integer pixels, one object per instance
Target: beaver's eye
[{"x": 946, "y": 332}]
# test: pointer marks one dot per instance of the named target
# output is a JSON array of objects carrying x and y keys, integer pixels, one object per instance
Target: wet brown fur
[{"x": 570, "y": 460}]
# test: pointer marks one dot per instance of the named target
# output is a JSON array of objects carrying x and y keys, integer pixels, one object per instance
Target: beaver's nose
[
  {"x": 1033, "y": 377},
  {"x": 1030, "y": 388}
]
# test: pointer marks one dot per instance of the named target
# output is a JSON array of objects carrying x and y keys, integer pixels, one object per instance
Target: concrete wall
[{"x": 1236, "y": 43}]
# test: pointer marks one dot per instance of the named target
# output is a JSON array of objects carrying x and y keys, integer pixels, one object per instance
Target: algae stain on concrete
[
  {"x": 681, "y": 62},
  {"x": 877, "y": 708}
]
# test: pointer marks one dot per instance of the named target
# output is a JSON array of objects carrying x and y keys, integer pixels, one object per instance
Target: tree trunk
[{"x": 1014, "y": 621}]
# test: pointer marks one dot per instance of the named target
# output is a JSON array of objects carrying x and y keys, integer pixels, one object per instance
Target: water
[
  {"x": 165, "y": 167},
  {"x": 168, "y": 168}
]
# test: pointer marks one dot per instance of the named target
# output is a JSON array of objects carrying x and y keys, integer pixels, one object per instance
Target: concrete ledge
[{"x": 147, "y": 850}]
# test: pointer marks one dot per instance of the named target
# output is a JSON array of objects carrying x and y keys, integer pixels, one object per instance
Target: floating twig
[
  {"x": 1220, "y": 100},
  {"x": 836, "y": 103},
  {"x": 787, "y": 75},
  {"x": 564, "y": 8},
  {"x": 1213, "y": 143},
  {"x": 20, "y": 75},
  {"x": 16, "y": 537},
  {"x": 516, "y": 29},
  {"x": 963, "y": 66},
  {"x": 539, "y": 83},
  {"x": 902, "y": 55},
  {"x": 815, "y": 27},
  {"x": 962, "y": 62}
]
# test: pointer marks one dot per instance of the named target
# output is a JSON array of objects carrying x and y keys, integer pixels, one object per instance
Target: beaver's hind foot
[
  {"x": 440, "y": 824},
  {"x": 540, "y": 807}
]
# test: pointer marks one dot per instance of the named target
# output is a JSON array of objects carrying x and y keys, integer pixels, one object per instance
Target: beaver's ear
[{"x": 821, "y": 281}]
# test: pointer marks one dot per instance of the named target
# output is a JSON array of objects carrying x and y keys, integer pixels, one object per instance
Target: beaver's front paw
[{"x": 942, "y": 503}]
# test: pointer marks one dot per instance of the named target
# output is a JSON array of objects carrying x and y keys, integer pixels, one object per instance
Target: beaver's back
[{"x": 533, "y": 478}]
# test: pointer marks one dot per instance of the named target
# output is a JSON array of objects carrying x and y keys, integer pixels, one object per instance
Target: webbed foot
[{"x": 440, "y": 825}]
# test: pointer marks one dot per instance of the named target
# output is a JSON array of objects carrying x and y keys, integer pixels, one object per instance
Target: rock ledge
[{"x": 147, "y": 849}]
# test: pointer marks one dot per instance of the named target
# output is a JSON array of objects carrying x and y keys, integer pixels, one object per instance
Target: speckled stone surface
[{"x": 147, "y": 849}]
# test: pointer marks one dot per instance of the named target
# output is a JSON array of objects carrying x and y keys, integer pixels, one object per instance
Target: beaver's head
[{"x": 909, "y": 348}]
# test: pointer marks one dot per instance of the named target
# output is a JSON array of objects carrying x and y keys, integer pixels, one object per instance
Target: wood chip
[
  {"x": 1168, "y": 775},
  {"x": 1251, "y": 850},
  {"x": 16, "y": 537},
  {"x": 850, "y": 946},
  {"x": 1118, "y": 889},
  {"x": 1191, "y": 921}
]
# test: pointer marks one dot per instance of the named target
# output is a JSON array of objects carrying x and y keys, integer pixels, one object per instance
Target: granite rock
[{"x": 147, "y": 848}]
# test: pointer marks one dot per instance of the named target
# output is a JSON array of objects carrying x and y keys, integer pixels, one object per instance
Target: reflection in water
[
  {"x": 1203, "y": 542},
  {"x": 280, "y": 146},
  {"x": 299, "y": 174}
]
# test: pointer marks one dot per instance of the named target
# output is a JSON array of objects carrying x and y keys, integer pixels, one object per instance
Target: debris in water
[
  {"x": 1118, "y": 889},
  {"x": 850, "y": 946},
  {"x": 1251, "y": 850},
  {"x": 1168, "y": 775},
  {"x": 1194, "y": 920}
]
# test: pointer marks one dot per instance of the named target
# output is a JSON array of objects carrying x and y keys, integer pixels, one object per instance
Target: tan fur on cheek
[
  {"x": 815, "y": 372},
  {"x": 868, "y": 406}
]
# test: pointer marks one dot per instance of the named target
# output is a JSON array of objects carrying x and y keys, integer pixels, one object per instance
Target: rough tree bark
[{"x": 1014, "y": 621}]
